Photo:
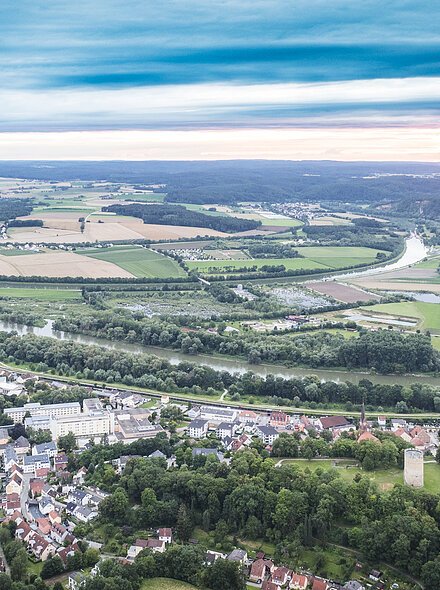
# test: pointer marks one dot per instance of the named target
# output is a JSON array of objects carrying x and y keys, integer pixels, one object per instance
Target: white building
[
  {"x": 218, "y": 414},
  {"x": 268, "y": 434},
  {"x": 198, "y": 428},
  {"x": 36, "y": 409},
  {"x": 31, "y": 463}
]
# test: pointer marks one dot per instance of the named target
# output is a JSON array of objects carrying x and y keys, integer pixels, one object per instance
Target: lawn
[
  {"x": 165, "y": 584},
  {"x": 428, "y": 314},
  {"x": 385, "y": 478},
  {"x": 324, "y": 258},
  {"x": 138, "y": 261},
  {"x": 41, "y": 294}
]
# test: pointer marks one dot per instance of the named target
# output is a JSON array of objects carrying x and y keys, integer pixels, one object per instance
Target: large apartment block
[{"x": 50, "y": 410}]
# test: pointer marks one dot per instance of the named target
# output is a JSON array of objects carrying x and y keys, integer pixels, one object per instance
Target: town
[{"x": 47, "y": 499}]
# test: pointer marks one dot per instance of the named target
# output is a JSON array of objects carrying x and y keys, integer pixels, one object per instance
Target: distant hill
[{"x": 396, "y": 185}]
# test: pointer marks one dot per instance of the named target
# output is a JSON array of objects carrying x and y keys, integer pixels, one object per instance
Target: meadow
[
  {"x": 165, "y": 584},
  {"x": 428, "y": 314},
  {"x": 384, "y": 478},
  {"x": 138, "y": 261},
  {"x": 325, "y": 258},
  {"x": 39, "y": 294}
]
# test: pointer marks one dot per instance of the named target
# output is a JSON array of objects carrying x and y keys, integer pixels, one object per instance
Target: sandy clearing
[
  {"x": 171, "y": 232},
  {"x": 108, "y": 231},
  {"x": 341, "y": 292},
  {"x": 60, "y": 264}
]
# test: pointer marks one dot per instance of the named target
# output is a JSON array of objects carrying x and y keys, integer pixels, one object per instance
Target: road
[
  {"x": 24, "y": 496},
  {"x": 198, "y": 399}
]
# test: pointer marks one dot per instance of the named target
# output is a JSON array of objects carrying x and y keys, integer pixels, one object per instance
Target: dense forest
[
  {"x": 12, "y": 208},
  {"x": 178, "y": 215},
  {"x": 385, "y": 351},
  {"x": 290, "y": 507},
  {"x": 149, "y": 371},
  {"x": 355, "y": 235},
  {"x": 408, "y": 187}
]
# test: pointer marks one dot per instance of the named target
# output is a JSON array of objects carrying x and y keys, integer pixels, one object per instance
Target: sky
[{"x": 186, "y": 79}]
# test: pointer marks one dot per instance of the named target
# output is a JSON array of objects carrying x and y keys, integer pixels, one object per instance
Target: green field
[
  {"x": 324, "y": 258},
  {"x": 140, "y": 262},
  {"x": 219, "y": 266},
  {"x": 385, "y": 478},
  {"x": 166, "y": 584},
  {"x": 38, "y": 293},
  {"x": 433, "y": 263},
  {"x": 337, "y": 257},
  {"x": 428, "y": 314},
  {"x": 6, "y": 252}
]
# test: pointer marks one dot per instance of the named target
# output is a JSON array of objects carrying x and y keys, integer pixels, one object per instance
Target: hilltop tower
[{"x": 413, "y": 469}]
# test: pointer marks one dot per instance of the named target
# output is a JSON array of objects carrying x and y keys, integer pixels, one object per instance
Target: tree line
[
  {"x": 66, "y": 358},
  {"x": 385, "y": 351}
]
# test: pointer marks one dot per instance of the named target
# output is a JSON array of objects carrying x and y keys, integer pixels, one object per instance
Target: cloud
[
  {"x": 109, "y": 43},
  {"x": 359, "y": 102},
  {"x": 380, "y": 144}
]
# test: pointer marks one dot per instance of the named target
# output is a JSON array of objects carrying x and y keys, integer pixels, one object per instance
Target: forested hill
[
  {"x": 401, "y": 186},
  {"x": 178, "y": 215}
]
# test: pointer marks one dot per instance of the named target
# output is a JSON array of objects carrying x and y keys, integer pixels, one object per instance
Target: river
[
  {"x": 415, "y": 251},
  {"x": 218, "y": 363}
]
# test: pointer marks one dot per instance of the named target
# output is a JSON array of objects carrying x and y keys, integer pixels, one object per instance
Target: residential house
[
  {"x": 260, "y": 568},
  {"x": 9, "y": 457},
  {"x": 60, "y": 462},
  {"x": 76, "y": 581},
  {"x": 33, "y": 463},
  {"x": 299, "y": 582},
  {"x": 23, "y": 531},
  {"x": 79, "y": 497},
  {"x": 54, "y": 517},
  {"x": 156, "y": 545},
  {"x": 40, "y": 548},
  {"x": 382, "y": 421},
  {"x": 268, "y": 434},
  {"x": 198, "y": 428},
  {"x": 43, "y": 525},
  {"x": 353, "y": 585},
  {"x": 200, "y": 452},
  {"x": 36, "y": 485},
  {"x": 279, "y": 420},
  {"x": 58, "y": 533},
  {"x": 165, "y": 535},
  {"x": 267, "y": 585},
  {"x": 239, "y": 555},
  {"x": 21, "y": 445},
  {"x": 79, "y": 478},
  {"x": 319, "y": 584},
  {"x": 84, "y": 513},
  {"x": 15, "y": 484},
  {"x": 333, "y": 422},
  {"x": 46, "y": 505},
  {"x": 134, "y": 550},
  {"x": 226, "y": 429},
  {"x": 280, "y": 576},
  {"x": 247, "y": 417},
  {"x": 48, "y": 448}
]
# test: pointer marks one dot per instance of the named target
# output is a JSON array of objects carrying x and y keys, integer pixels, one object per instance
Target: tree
[
  {"x": 19, "y": 565},
  {"x": 184, "y": 525},
  {"x": 67, "y": 442},
  {"x": 224, "y": 574},
  {"x": 114, "y": 508},
  {"x": 431, "y": 574},
  {"x": 52, "y": 567}
]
